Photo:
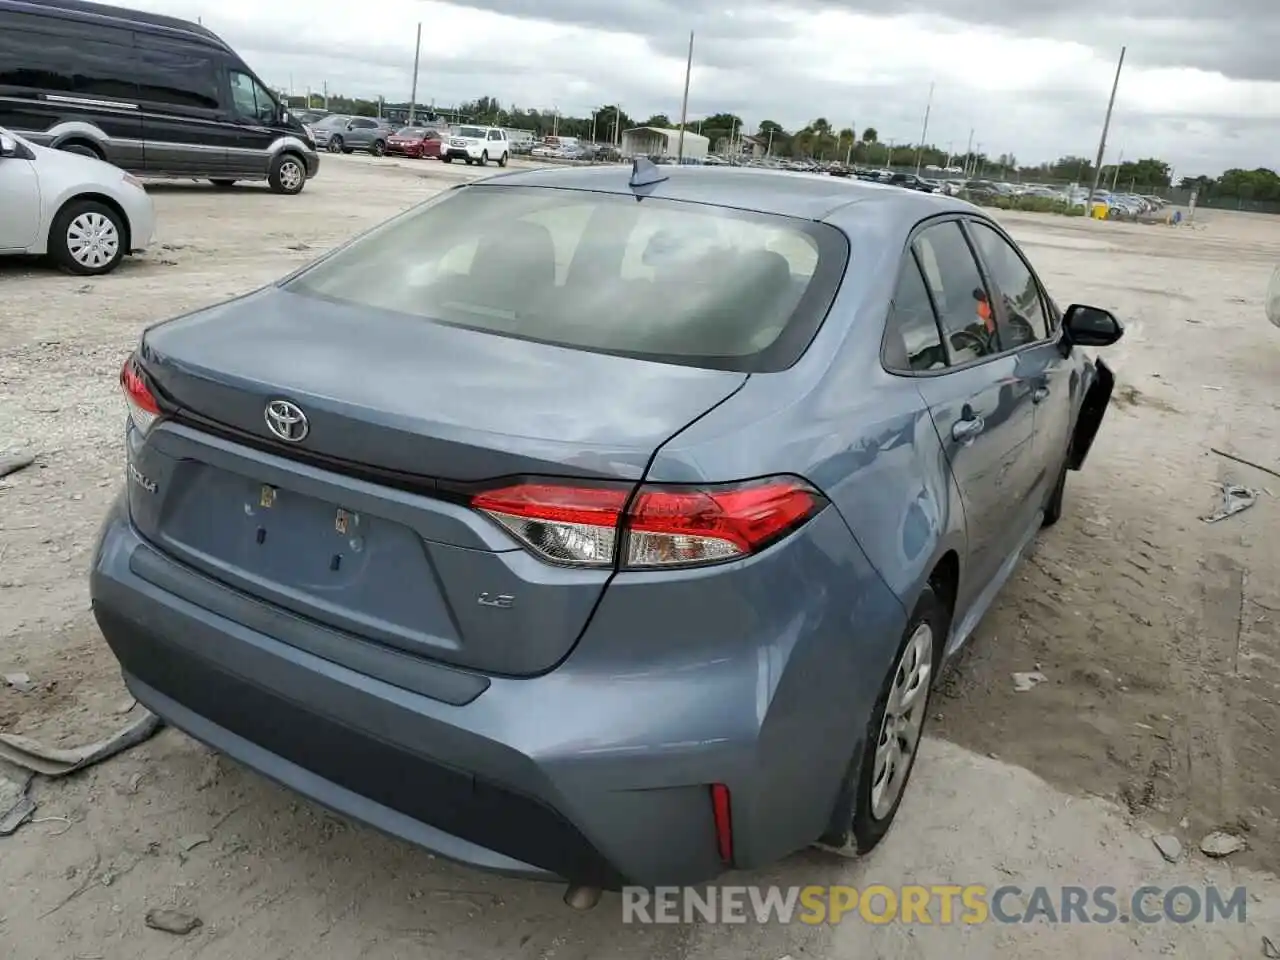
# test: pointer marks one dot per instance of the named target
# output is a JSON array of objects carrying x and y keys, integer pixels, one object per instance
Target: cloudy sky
[{"x": 1200, "y": 88}]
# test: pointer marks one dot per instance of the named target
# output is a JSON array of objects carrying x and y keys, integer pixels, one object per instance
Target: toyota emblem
[{"x": 287, "y": 421}]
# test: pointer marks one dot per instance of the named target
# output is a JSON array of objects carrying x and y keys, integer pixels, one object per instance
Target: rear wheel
[
  {"x": 335, "y": 144},
  {"x": 896, "y": 724},
  {"x": 88, "y": 238},
  {"x": 288, "y": 174}
]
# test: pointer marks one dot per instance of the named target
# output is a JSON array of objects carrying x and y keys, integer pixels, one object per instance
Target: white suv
[
  {"x": 477, "y": 145},
  {"x": 84, "y": 214}
]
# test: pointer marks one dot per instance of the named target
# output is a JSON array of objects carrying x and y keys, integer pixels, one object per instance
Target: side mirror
[
  {"x": 1091, "y": 326},
  {"x": 8, "y": 146}
]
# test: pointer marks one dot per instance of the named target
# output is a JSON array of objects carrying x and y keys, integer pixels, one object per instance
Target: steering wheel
[{"x": 983, "y": 342}]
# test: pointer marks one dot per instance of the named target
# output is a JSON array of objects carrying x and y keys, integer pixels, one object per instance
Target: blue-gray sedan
[{"x": 609, "y": 525}]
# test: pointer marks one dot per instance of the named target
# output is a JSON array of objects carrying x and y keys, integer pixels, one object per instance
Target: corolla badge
[{"x": 287, "y": 421}]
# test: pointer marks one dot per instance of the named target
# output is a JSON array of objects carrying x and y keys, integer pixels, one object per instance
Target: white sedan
[{"x": 84, "y": 214}]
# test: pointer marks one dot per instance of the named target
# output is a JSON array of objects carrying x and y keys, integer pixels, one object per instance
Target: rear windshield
[
  {"x": 471, "y": 132},
  {"x": 664, "y": 280},
  {"x": 410, "y": 132},
  {"x": 331, "y": 121}
]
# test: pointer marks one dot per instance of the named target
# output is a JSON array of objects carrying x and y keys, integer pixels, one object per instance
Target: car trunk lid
[{"x": 350, "y": 525}]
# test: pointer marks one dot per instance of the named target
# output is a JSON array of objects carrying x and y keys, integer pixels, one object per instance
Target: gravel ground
[{"x": 1157, "y": 634}]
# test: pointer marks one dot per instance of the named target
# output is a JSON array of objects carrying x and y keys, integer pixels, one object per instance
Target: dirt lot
[{"x": 1157, "y": 634}]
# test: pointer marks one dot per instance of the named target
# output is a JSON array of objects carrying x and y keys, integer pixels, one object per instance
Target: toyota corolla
[{"x": 602, "y": 525}]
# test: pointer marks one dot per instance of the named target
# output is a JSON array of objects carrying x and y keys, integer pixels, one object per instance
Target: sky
[{"x": 1200, "y": 87}]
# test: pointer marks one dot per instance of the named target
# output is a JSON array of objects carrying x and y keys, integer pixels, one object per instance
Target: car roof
[
  {"x": 104, "y": 14},
  {"x": 802, "y": 195}
]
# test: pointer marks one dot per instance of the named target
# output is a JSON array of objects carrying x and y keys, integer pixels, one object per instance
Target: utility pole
[
  {"x": 1106, "y": 126},
  {"x": 924, "y": 130},
  {"x": 968, "y": 153},
  {"x": 1115, "y": 174},
  {"x": 684, "y": 106},
  {"x": 888, "y": 160},
  {"x": 848, "y": 156},
  {"x": 593, "y": 126},
  {"x": 326, "y": 94},
  {"x": 413, "y": 91}
]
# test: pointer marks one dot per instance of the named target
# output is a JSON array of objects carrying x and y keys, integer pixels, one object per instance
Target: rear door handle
[
  {"x": 965, "y": 430},
  {"x": 1040, "y": 394}
]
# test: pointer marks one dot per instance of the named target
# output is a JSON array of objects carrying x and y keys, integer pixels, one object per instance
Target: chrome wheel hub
[{"x": 290, "y": 175}]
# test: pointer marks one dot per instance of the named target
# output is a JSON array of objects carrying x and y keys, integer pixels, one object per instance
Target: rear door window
[
  {"x": 912, "y": 342},
  {"x": 676, "y": 282},
  {"x": 960, "y": 294}
]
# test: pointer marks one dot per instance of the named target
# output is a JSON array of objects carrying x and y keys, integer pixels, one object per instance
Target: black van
[{"x": 154, "y": 95}]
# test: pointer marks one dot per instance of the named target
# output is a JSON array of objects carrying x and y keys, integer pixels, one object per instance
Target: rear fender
[{"x": 1092, "y": 410}]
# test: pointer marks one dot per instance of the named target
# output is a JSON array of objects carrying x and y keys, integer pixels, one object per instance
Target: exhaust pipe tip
[{"x": 582, "y": 898}]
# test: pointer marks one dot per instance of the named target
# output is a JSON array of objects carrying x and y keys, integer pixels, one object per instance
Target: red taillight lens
[
  {"x": 143, "y": 409},
  {"x": 660, "y": 527}
]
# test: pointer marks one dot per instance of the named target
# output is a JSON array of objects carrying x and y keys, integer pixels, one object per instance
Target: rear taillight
[
  {"x": 143, "y": 409},
  {"x": 661, "y": 526}
]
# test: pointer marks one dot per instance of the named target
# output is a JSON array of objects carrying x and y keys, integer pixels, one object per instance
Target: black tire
[
  {"x": 378, "y": 148},
  {"x": 288, "y": 174},
  {"x": 1053, "y": 506},
  {"x": 484, "y": 158},
  {"x": 868, "y": 828},
  {"x": 348, "y": 150},
  {"x": 81, "y": 149},
  {"x": 223, "y": 184},
  {"x": 447, "y": 159},
  {"x": 502, "y": 160},
  {"x": 335, "y": 144},
  {"x": 81, "y": 215}
]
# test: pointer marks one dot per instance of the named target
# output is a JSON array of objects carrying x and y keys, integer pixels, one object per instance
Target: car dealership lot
[{"x": 1155, "y": 632}]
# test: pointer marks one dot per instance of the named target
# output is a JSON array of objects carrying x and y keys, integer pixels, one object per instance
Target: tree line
[{"x": 820, "y": 140}]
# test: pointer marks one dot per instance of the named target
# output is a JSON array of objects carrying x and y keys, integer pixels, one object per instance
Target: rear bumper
[{"x": 596, "y": 773}]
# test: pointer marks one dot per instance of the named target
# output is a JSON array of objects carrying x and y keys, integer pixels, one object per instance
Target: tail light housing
[
  {"x": 144, "y": 411},
  {"x": 660, "y": 526}
]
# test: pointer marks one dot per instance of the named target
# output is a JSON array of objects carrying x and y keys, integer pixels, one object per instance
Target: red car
[{"x": 417, "y": 142}]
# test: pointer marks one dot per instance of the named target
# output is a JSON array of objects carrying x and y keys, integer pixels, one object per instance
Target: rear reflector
[
  {"x": 724, "y": 824},
  {"x": 143, "y": 409},
  {"x": 661, "y": 526}
]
